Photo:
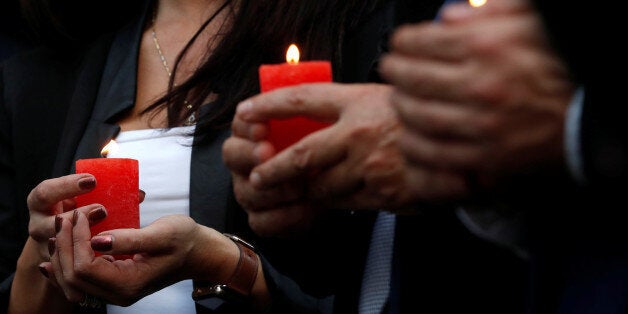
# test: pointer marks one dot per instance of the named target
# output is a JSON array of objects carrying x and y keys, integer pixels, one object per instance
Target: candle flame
[
  {"x": 112, "y": 146},
  {"x": 292, "y": 56},
  {"x": 477, "y": 3}
]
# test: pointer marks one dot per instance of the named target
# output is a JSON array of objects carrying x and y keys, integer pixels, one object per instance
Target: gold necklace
[{"x": 192, "y": 118}]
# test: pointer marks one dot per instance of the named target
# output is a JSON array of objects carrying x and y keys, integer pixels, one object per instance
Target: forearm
[{"x": 31, "y": 292}]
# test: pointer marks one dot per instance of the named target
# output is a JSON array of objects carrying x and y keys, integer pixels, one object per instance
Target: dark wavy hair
[{"x": 258, "y": 31}]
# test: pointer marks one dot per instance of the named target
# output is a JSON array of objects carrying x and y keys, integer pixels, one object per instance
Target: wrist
[{"x": 244, "y": 286}]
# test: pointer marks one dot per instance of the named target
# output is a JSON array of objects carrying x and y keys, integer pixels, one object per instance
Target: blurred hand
[
  {"x": 479, "y": 92},
  {"x": 353, "y": 164}
]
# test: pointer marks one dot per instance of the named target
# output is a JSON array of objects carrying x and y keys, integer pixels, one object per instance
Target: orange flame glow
[
  {"x": 110, "y": 147},
  {"x": 477, "y": 3},
  {"x": 292, "y": 56}
]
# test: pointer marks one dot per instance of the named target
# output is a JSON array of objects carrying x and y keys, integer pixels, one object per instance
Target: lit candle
[
  {"x": 117, "y": 189},
  {"x": 286, "y": 132}
]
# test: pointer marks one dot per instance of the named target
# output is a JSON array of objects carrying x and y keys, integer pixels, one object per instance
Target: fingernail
[
  {"x": 52, "y": 246},
  {"x": 97, "y": 214},
  {"x": 102, "y": 243},
  {"x": 244, "y": 108},
  {"x": 58, "y": 221},
  {"x": 87, "y": 183},
  {"x": 108, "y": 258},
  {"x": 43, "y": 271},
  {"x": 255, "y": 178},
  {"x": 142, "y": 195},
  {"x": 75, "y": 217},
  {"x": 458, "y": 11}
]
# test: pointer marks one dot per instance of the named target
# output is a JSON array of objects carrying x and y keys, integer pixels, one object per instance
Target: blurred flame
[
  {"x": 112, "y": 146},
  {"x": 477, "y": 3},
  {"x": 292, "y": 56}
]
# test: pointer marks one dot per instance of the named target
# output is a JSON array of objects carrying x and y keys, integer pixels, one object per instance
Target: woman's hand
[
  {"x": 53, "y": 199},
  {"x": 171, "y": 249}
]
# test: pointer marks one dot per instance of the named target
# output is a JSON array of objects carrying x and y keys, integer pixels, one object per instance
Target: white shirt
[{"x": 164, "y": 174}]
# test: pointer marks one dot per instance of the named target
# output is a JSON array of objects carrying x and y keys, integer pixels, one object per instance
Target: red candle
[
  {"x": 117, "y": 189},
  {"x": 286, "y": 132}
]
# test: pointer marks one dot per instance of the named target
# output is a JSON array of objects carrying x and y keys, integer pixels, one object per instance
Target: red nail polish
[
  {"x": 58, "y": 221},
  {"x": 52, "y": 244},
  {"x": 102, "y": 243},
  {"x": 87, "y": 183},
  {"x": 97, "y": 214},
  {"x": 75, "y": 217}
]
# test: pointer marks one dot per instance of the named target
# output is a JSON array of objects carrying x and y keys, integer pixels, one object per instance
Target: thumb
[{"x": 161, "y": 236}]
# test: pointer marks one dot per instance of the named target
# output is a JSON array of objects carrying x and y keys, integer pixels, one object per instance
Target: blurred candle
[
  {"x": 117, "y": 189},
  {"x": 286, "y": 132}
]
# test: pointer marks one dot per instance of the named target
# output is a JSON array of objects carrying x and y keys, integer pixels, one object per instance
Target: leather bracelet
[{"x": 238, "y": 287}]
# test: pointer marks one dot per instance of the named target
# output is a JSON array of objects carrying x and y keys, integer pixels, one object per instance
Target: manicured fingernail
[
  {"x": 97, "y": 214},
  {"x": 43, "y": 271},
  {"x": 52, "y": 243},
  {"x": 75, "y": 217},
  {"x": 58, "y": 221},
  {"x": 102, "y": 243},
  {"x": 142, "y": 195},
  {"x": 87, "y": 183}
]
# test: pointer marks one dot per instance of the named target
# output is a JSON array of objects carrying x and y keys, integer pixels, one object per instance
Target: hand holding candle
[
  {"x": 286, "y": 132},
  {"x": 117, "y": 189}
]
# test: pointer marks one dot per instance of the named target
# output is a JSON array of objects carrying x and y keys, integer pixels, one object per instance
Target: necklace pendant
[{"x": 191, "y": 120}]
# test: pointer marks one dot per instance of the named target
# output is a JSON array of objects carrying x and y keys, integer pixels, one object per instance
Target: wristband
[{"x": 238, "y": 288}]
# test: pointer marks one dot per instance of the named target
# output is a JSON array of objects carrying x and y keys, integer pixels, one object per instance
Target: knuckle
[
  {"x": 298, "y": 96},
  {"x": 302, "y": 156},
  {"x": 489, "y": 89},
  {"x": 38, "y": 194},
  {"x": 488, "y": 125},
  {"x": 483, "y": 44}
]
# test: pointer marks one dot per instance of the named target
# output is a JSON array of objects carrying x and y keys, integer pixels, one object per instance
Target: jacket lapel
[{"x": 81, "y": 105}]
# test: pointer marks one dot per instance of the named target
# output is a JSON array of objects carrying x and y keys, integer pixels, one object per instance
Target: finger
[
  {"x": 335, "y": 182},
  {"x": 318, "y": 101},
  {"x": 429, "y": 40},
  {"x": 63, "y": 260},
  {"x": 81, "y": 238},
  {"x": 437, "y": 118},
  {"x": 142, "y": 195},
  {"x": 157, "y": 238},
  {"x": 426, "y": 78},
  {"x": 313, "y": 153},
  {"x": 253, "y": 199},
  {"x": 249, "y": 130},
  {"x": 52, "y": 191},
  {"x": 47, "y": 271},
  {"x": 45, "y": 227},
  {"x": 443, "y": 154},
  {"x": 241, "y": 155},
  {"x": 285, "y": 221}
]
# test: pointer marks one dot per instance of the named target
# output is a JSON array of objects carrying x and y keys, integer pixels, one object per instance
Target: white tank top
[{"x": 164, "y": 168}]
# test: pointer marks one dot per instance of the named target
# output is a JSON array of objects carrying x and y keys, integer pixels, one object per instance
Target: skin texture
[
  {"x": 353, "y": 164},
  {"x": 480, "y": 92},
  {"x": 467, "y": 107},
  {"x": 171, "y": 249}
]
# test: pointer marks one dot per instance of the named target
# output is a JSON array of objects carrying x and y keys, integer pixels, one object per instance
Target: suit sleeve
[{"x": 9, "y": 248}]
